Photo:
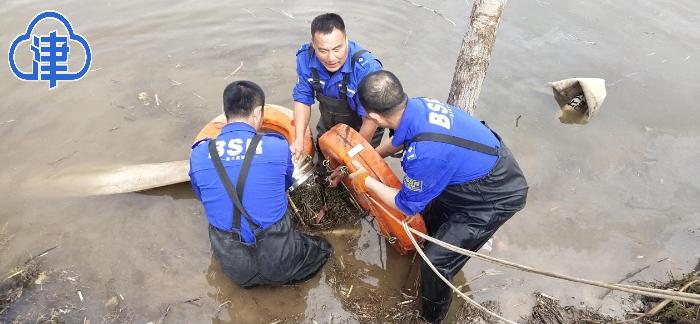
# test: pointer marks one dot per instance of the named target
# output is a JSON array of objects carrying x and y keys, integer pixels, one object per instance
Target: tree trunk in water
[{"x": 475, "y": 54}]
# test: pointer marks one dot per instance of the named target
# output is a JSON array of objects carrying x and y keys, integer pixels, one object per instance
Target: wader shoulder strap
[
  {"x": 457, "y": 141},
  {"x": 315, "y": 81},
  {"x": 245, "y": 167},
  {"x": 343, "y": 91},
  {"x": 226, "y": 181},
  {"x": 356, "y": 56}
]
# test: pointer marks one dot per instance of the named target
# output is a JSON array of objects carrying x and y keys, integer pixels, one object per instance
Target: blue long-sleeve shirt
[
  {"x": 270, "y": 175},
  {"x": 430, "y": 167}
]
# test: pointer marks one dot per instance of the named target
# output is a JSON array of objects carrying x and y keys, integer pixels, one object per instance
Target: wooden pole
[{"x": 475, "y": 54}]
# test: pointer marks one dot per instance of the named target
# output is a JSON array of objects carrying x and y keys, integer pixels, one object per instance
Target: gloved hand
[{"x": 358, "y": 177}]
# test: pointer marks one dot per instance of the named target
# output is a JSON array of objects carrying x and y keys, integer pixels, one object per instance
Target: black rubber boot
[
  {"x": 436, "y": 296},
  {"x": 433, "y": 312}
]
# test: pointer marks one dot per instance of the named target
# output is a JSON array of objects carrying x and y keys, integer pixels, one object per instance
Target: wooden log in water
[
  {"x": 475, "y": 54},
  {"x": 114, "y": 180}
]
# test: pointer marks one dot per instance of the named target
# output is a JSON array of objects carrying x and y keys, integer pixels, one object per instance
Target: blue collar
[
  {"x": 347, "y": 66},
  {"x": 237, "y": 126},
  {"x": 403, "y": 132}
]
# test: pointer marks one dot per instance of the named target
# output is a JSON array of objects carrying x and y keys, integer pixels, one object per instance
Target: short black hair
[
  {"x": 240, "y": 97},
  {"x": 325, "y": 24},
  {"x": 381, "y": 92}
]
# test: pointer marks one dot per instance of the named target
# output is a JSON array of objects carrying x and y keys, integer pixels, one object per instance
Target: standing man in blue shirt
[
  {"x": 250, "y": 231},
  {"x": 458, "y": 174},
  {"x": 329, "y": 70}
]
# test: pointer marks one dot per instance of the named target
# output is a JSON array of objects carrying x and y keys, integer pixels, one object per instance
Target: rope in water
[
  {"x": 432, "y": 266},
  {"x": 645, "y": 291},
  {"x": 447, "y": 282}
]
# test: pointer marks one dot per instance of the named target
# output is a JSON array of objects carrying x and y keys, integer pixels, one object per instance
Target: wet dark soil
[
  {"x": 367, "y": 303},
  {"x": 320, "y": 207}
]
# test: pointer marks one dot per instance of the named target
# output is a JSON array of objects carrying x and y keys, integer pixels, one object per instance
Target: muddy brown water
[{"x": 606, "y": 199}]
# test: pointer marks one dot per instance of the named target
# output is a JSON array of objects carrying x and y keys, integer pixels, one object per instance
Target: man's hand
[
  {"x": 359, "y": 177},
  {"x": 297, "y": 148},
  {"x": 336, "y": 176}
]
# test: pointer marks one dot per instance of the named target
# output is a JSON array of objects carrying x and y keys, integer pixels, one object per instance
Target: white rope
[
  {"x": 432, "y": 266},
  {"x": 651, "y": 292},
  {"x": 447, "y": 282}
]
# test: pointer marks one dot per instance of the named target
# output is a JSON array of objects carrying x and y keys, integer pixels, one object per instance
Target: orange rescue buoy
[
  {"x": 276, "y": 119},
  {"x": 340, "y": 145}
]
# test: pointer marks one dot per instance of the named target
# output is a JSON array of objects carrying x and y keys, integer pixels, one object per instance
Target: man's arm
[
  {"x": 193, "y": 182},
  {"x": 303, "y": 96},
  {"x": 368, "y": 128},
  {"x": 386, "y": 194},
  {"x": 195, "y": 188},
  {"x": 289, "y": 176},
  {"x": 425, "y": 179},
  {"x": 302, "y": 113},
  {"x": 386, "y": 148}
]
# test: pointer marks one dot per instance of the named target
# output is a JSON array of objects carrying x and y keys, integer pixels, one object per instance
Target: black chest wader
[
  {"x": 467, "y": 215},
  {"x": 278, "y": 254},
  {"x": 337, "y": 110}
]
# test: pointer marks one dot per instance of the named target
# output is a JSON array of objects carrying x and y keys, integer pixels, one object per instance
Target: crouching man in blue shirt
[
  {"x": 242, "y": 177},
  {"x": 458, "y": 174}
]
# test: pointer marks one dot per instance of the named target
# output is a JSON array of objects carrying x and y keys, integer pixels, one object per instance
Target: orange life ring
[
  {"x": 339, "y": 145},
  {"x": 276, "y": 119}
]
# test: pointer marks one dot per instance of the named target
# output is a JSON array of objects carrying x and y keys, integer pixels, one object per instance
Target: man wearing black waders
[
  {"x": 458, "y": 174},
  {"x": 242, "y": 177},
  {"x": 329, "y": 70}
]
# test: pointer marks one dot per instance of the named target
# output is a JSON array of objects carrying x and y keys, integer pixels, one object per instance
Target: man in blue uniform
[
  {"x": 458, "y": 174},
  {"x": 329, "y": 70},
  {"x": 242, "y": 177}
]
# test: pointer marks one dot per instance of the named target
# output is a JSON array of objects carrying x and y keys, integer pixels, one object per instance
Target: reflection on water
[
  {"x": 325, "y": 295},
  {"x": 606, "y": 198},
  {"x": 238, "y": 305}
]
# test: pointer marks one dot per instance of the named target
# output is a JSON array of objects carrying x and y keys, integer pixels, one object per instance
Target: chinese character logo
[{"x": 49, "y": 52}]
